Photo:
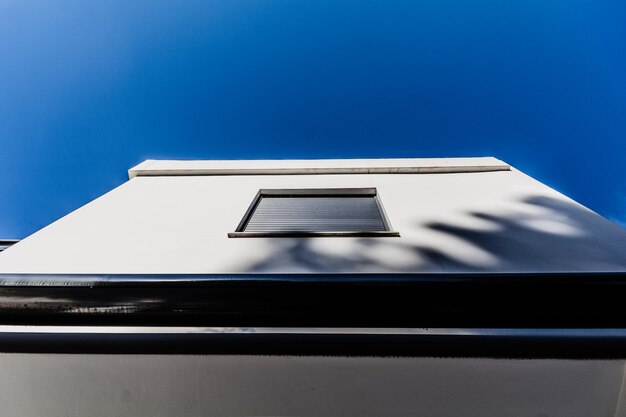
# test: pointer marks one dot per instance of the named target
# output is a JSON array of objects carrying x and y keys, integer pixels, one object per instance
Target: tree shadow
[{"x": 549, "y": 235}]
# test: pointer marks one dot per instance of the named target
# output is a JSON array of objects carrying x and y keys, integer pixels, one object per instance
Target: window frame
[{"x": 314, "y": 192}]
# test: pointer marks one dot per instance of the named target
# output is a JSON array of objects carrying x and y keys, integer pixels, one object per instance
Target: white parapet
[{"x": 317, "y": 166}]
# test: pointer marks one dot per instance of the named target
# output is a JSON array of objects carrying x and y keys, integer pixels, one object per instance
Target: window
[
  {"x": 315, "y": 212},
  {"x": 6, "y": 243}
]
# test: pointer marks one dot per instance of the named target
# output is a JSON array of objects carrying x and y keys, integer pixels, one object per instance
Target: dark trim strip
[
  {"x": 499, "y": 315},
  {"x": 315, "y": 234},
  {"x": 473, "y": 278},
  {"x": 7, "y": 243},
  {"x": 578, "y": 344},
  {"x": 318, "y": 192},
  {"x": 317, "y": 300}
]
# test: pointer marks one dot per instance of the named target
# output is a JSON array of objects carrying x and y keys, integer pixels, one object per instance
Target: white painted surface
[
  {"x": 472, "y": 221},
  {"x": 160, "y": 385},
  {"x": 317, "y": 166},
  {"x": 502, "y": 221}
]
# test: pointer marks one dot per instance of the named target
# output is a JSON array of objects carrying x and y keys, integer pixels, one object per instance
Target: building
[
  {"x": 397, "y": 287},
  {"x": 6, "y": 243}
]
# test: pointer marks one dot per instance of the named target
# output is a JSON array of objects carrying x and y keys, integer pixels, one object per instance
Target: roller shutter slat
[{"x": 312, "y": 214}]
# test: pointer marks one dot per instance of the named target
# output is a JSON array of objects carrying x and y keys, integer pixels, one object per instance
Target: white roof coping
[{"x": 153, "y": 167}]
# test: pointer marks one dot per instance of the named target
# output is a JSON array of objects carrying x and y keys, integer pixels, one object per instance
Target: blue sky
[{"x": 90, "y": 88}]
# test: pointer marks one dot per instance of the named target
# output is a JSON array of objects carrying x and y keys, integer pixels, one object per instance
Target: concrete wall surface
[
  {"x": 498, "y": 221},
  {"x": 154, "y": 385}
]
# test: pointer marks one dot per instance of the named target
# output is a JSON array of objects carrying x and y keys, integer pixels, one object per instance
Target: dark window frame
[
  {"x": 7, "y": 243},
  {"x": 315, "y": 192}
]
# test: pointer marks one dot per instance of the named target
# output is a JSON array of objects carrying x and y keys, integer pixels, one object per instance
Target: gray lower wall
[{"x": 158, "y": 385}]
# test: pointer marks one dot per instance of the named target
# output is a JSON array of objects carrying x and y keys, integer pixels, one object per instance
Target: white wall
[
  {"x": 160, "y": 385},
  {"x": 481, "y": 221}
]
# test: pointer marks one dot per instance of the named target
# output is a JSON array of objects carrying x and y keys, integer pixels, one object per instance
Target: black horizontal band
[
  {"x": 317, "y": 300},
  {"x": 385, "y": 233},
  {"x": 562, "y": 345}
]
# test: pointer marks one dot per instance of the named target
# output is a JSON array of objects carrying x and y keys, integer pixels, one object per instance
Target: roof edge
[{"x": 151, "y": 168}]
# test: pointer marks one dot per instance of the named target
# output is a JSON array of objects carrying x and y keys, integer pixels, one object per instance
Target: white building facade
[
  {"x": 452, "y": 215},
  {"x": 457, "y": 286}
]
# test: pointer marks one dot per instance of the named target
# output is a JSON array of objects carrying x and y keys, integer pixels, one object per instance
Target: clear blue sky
[{"x": 90, "y": 88}]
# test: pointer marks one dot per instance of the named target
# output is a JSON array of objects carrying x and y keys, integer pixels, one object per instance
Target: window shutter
[{"x": 316, "y": 214}]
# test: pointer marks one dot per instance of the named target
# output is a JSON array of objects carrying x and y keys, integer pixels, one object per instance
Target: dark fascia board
[
  {"x": 503, "y": 315},
  {"x": 317, "y": 300},
  {"x": 183, "y": 279},
  {"x": 581, "y": 344}
]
